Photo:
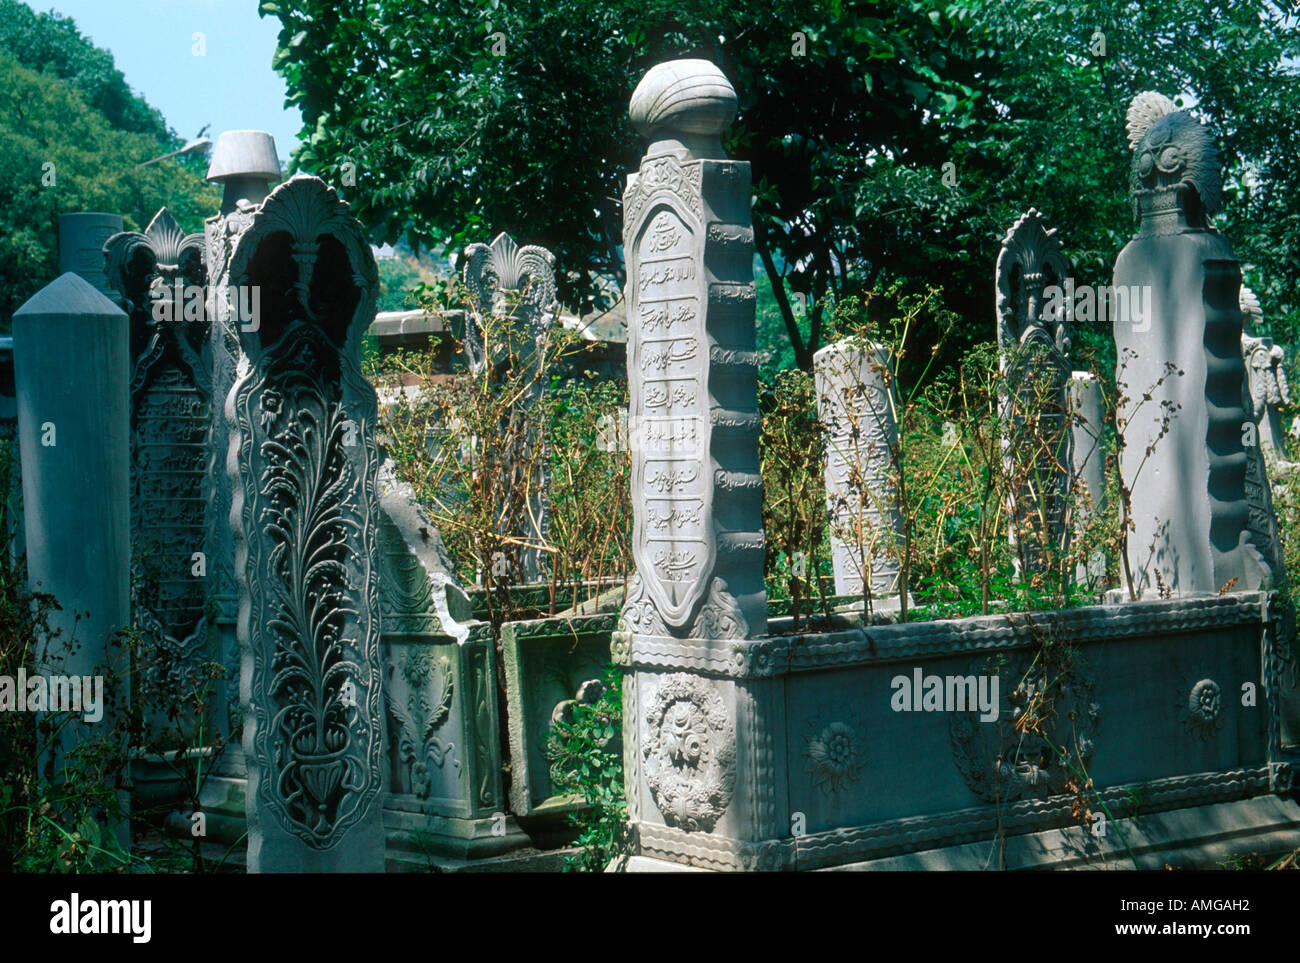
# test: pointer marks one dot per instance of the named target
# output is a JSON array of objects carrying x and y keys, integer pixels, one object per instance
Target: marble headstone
[
  {"x": 303, "y": 465},
  {"x": 518, "y": 282},
  {"x": 160, "y": 278}
]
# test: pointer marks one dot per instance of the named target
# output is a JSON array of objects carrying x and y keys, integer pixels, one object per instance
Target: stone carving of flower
[
  {"x": 1204, "y": 705},
  {"x": 834, "y": 759},
  {"x": 272, "y": 406}
]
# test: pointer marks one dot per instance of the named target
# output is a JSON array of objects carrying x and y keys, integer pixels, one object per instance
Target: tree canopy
[
  {"x": 71, "y": 138},
  {"x": 890, "y": 140}
]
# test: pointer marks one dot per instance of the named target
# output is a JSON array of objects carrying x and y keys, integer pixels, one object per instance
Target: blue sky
[{"x": 230, "y": 86}]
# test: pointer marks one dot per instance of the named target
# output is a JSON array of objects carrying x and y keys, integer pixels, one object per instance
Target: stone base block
[
  {"x": 1199, "y": 837},
  {"x": 420, "y": 841}
]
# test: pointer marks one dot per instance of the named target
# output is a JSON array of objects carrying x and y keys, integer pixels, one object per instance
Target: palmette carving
[{"x": 414, "y": 726}]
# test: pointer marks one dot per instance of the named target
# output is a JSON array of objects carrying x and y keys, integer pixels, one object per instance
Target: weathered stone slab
[
  {"x": 81, "y": 245},
  {"x": 550, "y": 664},
  {"x": 1088, "y": 467},
  {"x": 303, "y": 464},
  {"x": 857, "y": 406},
  {"x": 519, "y": 283},
  {"x": 444, "y": 796},
  {"x": 244, "y": 163}
]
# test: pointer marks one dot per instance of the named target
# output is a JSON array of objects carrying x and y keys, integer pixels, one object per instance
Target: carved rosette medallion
[
  {"x": 835, "y": 754},
  {"x": 1040, "y": 712},
  {"x": 160, "y": 277},
  {"x": 689, "y": 752},
  {"x": 304, "y": 464},
  {"x": 1202, "y": 709}
]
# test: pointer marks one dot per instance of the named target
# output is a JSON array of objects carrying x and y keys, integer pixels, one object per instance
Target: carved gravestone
[
  {"x": 1034, "y": 359},
  {"x": 519, "y": 283},
  {"x": 444, "y": 794},
  {"x": 1180, "y": 374},
  {"x": 691, "y": 681},
  {"x": 1266, "y": 384},
  {"x": 244, "y": 162},
  {"x": 303, "y": 465},
  {"x": 856, "y": 404},
  {"x": 160, "y": 278}
]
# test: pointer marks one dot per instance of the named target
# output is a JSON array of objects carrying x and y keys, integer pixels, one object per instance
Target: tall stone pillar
[
  {"x": 1087, "y": 466},
  {"x": 701, "y": 721},
  {"x": 159, "y": 276},
  {"x": 1180, "y": 374},
  {"x": 303, "y": 464},
  {"x": 856, "y": 404},
  {"x": 244, "y": 162},
  {"x": 70, "y": 366}
]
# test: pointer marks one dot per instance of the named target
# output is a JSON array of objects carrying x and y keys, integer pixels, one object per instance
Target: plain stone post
[
  {"x": 244, "y": 162},
  {"x": 81, "y": 245},
  {"x": 303, "y": 464},
  {"x": 1087, "y": 465},
  {"x": 70, "y": 366},
  {"x": 11, "y": 519},
  {"x": 693, "y": 670},
  {"x": 856, "y": 404}
]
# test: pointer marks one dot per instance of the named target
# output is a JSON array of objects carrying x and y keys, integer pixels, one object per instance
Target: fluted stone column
[
  {"x": 694, "y": 691},
  {"x": 1180, "y": 374}
]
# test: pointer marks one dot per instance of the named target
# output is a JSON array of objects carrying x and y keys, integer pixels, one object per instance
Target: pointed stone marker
[{"x": 70, "y": 368}]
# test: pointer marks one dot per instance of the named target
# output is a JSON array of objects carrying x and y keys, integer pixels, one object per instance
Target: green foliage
[
  {"x": 52, "y": 43},
  {"x": 586, "y": 760},
  {"x": 849, "y": 141},
  {"x": 60, "y": 154},
  {"x": 791, "y": 452}
]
